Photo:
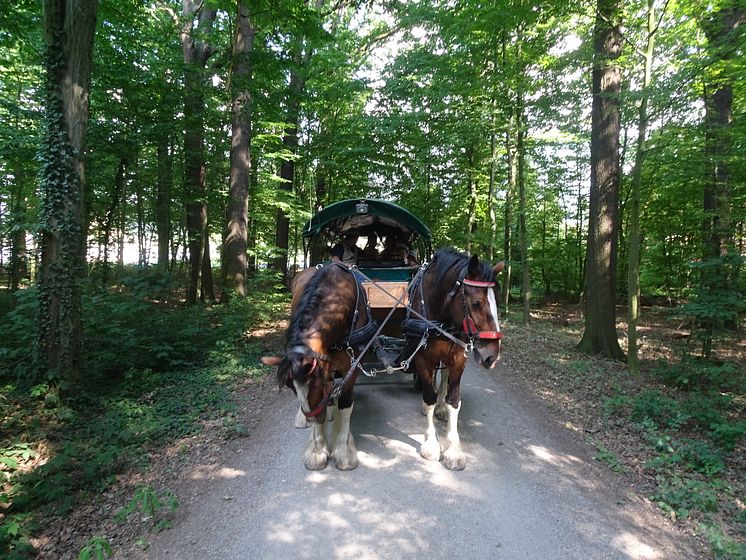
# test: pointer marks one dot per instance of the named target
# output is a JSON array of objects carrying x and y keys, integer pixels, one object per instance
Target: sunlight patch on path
[
  {"x": 633, "y": 547},
  {"x": 208, "y": 472}
]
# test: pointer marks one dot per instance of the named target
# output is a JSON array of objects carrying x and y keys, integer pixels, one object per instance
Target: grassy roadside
[
  {"x": 156, "y": 371},
  {"x": 676, "y": 432}
]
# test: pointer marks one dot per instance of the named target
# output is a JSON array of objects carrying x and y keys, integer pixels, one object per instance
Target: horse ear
[
  {"x": 499, "y": 267},
  {"x": 473, "y": 270}
]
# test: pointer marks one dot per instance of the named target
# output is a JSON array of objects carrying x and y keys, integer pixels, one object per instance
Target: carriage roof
[{"x": 362, "y": 216}]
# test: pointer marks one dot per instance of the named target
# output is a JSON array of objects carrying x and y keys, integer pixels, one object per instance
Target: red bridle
[{"x": 468, "y": 325}]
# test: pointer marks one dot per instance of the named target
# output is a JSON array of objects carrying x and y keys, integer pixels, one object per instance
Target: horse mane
[
  {"x": 448, "y": 259},
  {"x": 307, "y": 309}
]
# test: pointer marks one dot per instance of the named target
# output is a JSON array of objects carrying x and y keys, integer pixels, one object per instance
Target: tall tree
[
  {"x": 633, "y": 272},
  {"x": 718, "y": 227},
  {"x": 68, "y": 26},
  {"x": 236, "y": 237},
  {"x": 197, "y": 19},
  {"x": 600, "y": 334}
]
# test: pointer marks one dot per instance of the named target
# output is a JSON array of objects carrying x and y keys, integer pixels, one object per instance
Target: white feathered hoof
[
  {"x": 453, "y": 459},
  {"x": 346, "y": 457},
  {"x": 315, "y": 459},
  {"x": 430, "y": 450}
]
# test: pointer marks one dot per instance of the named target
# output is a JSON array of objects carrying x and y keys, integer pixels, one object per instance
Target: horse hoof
[
  {"x": 454, "y": 462},
  {"x": 347, "y": 465},
  {"x": 316, "y": 463},
  {"x": 430, "y": 452}
]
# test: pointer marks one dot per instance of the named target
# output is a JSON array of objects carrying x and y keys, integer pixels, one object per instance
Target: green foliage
[
  {"x": 97, "y": 548},
  {"x": 695, "y": 373},
  {"x": 157, "y": 371},
  {"x": 15, "y": 532},
  {"x": 722, "y": 545},
  {"x": 681, "y": 496},
  {"x": 146, "y": 501},
  {"x": 717, "y": 303},
  {"x": 606, "y": 456}
]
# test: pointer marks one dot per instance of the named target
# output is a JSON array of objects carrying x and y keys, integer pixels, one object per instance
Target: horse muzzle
[{"x": 488, "y": 355}]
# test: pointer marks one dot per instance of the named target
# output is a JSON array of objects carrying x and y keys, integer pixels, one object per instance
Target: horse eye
[{"x": 476, "y": 304}]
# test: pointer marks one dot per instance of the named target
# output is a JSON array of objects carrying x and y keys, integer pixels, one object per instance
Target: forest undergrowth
[
  {"x": 676, "y": 431},
  {"x": 155, "y": 371}
]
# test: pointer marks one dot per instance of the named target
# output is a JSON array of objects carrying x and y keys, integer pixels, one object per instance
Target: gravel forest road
[{"x": 531, "y": 489}]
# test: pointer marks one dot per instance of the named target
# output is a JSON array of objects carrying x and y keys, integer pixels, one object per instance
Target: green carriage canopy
[{"x": 362, "y": 216}]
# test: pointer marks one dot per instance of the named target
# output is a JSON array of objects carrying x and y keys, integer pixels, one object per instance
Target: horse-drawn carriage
[
  {"x": 402, "y": 242},
  {"x": 351, "y": 302}
]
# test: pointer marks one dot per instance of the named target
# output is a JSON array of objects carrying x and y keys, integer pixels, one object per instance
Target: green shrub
[{"x": 682, "y": 495}]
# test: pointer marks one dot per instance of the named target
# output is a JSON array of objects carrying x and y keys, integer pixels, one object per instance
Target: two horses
[{"x": 453, "y": 311}]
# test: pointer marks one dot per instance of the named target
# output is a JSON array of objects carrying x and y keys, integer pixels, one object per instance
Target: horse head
[
  {"x": 476, "y": 310},
  {"x": 307, "y": 373}
]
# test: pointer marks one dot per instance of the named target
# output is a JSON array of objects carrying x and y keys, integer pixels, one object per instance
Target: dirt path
[{"x": 531, "y": 489}]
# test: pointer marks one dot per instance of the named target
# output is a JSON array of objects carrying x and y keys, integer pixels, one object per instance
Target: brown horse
[
  {"x": 457, "y": 295},
  {"x": 329, "y": 324}
]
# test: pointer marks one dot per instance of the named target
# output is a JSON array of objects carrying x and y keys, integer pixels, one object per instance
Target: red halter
[{"x": 468, "y": 325}]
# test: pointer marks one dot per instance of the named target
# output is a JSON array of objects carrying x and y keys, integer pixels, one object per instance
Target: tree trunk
[
  {"x": 633, "y": 271},
  {"x": 196, "y": 54},
  {"x": 207, "y": 289},
  {"x": 521, "y": 179},
  {"x": 119, "y": 179},
  {"x": 18, "y": 256},
  {"x": 236, "y": 235},
  {"x": 68, "y": 26},
  {"x": 297, "y": 85},
  {"x": 509, "y": 195},
  {"x": 163, "y": 198},
  {"x": 253, "y": 188},
  {"x": 287, "y": 168},
  {"x": 472, "y": 186},
  {"x": 718, "y": 226},
  {"x": 600, "y": 335},
  {"x": 491, "y": 189}
]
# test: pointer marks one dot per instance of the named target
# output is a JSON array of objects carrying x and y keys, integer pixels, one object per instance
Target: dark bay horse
[
  {"x": 459, "y": 294},
  {"x": 329, "y": 324}
]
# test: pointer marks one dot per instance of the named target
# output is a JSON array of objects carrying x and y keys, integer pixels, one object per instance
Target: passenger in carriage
[
  {"x": 370, "y": 251},
  {"x": 346, "y": 251},
  {"x": 397, "y": 249},
  {"x": 391, "y": 251}
]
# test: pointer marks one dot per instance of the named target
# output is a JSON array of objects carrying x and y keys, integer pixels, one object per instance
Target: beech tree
[
  {"x": 600, "y": 334},
  {"x": 236, "y": 238},
  {"x": 68, "y": 26},
  {"x": 197, "y": 18}
]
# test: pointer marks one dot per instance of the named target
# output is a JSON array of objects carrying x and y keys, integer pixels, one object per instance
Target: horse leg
[
  {"x": 343, "y": 446},
  {"x": 300, "y": 419},
  {"x": 453, "y": 456},
  {"x": 317, "y": 451},
  {"x": 441, "y": 413},
  {"x": 430, "y": 448}
]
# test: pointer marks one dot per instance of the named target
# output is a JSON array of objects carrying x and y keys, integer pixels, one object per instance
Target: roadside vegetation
[
  {"x": 156, "y": 371},
  {"x": 676, "y": 431}
]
